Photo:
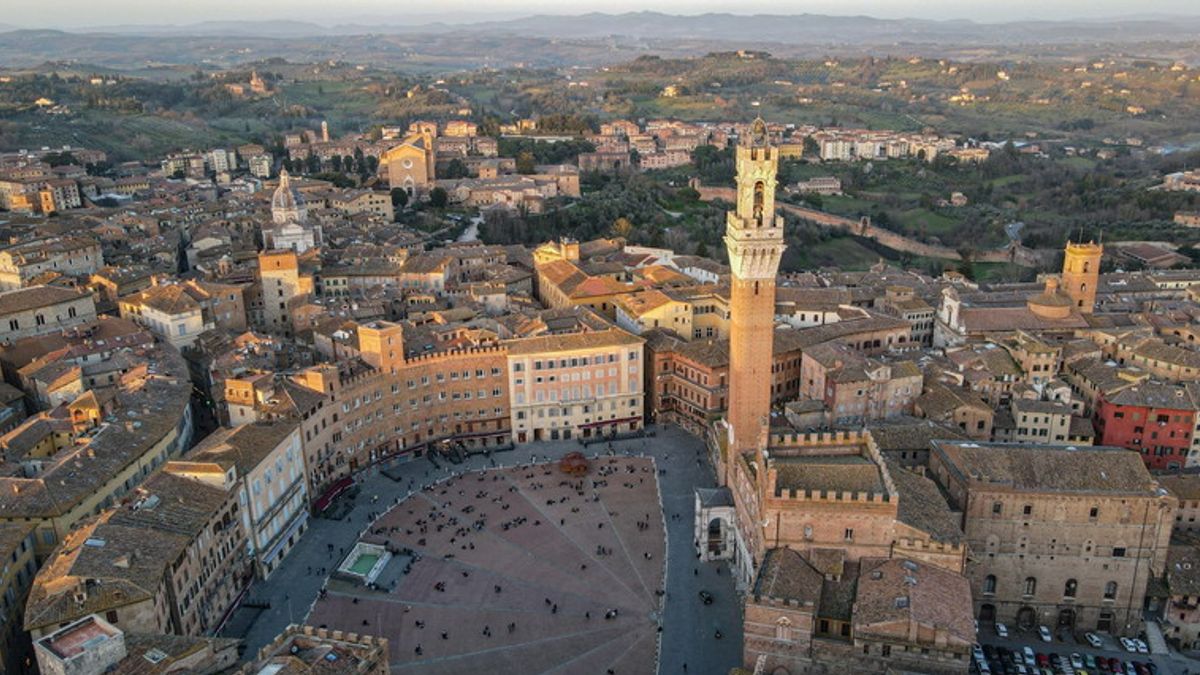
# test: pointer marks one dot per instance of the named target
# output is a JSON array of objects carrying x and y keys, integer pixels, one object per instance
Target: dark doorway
[
  {"x": 1026, "y": 618},
  {"x": 1066, "y": 619},
  {"x": 987, "y": 613}
]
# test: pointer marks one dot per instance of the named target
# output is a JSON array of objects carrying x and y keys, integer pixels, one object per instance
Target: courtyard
[{"x": 578, "y": 561}]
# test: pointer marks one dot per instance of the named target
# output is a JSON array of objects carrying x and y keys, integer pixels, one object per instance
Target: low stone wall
[{"x": 1018, "y": 254}]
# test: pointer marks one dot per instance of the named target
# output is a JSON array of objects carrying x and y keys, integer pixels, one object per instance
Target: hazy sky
[{"x": 82, "y": 13}]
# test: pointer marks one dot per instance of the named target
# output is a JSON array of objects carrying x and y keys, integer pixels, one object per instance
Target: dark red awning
[{"x": 332, "y": 493}]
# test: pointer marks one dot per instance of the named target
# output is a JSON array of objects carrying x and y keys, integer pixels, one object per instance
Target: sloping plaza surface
[
  {"x": 517, "y": 570},
  {"x": 544, "y": 641}
]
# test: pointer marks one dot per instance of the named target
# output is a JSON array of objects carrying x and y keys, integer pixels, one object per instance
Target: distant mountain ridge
[
  {"x": 779, "y": 28},
  {"x": 589, "y": 40}
]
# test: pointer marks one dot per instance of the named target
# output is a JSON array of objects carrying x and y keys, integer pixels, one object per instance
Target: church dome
[
  {"x": 1050, "y": 303},
  {"x": 286, "y": 204}
]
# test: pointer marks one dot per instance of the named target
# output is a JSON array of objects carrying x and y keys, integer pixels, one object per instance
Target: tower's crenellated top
[
  {"x": 1080, "y": 248},
  {"x": 753, "y": 233}
]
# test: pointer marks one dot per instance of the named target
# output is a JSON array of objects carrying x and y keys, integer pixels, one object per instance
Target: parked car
[
  {"x": 1029, "y": 658},
  {"x": 1114, "y": 665},
  {"x": 1044, "y": 633},
  {"x": 1142, "y": 647},
  {"x": 1128, "y": 645},
  {"x": 1076, "y": 660},
  {"x": 1043, "y": 660},
  {"x": 1001, "y": 630},
  {"x": 1094, "y": 640}
]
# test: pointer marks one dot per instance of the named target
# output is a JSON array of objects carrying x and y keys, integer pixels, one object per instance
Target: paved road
[
  {"x": 689, "y": 626},
  {"x": 472, "y": 231}
]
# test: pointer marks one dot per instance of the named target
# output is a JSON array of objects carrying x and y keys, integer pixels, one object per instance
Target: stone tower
[
  {"x": 1081, "y": 274},
  {"x": 754, "y": 239}
]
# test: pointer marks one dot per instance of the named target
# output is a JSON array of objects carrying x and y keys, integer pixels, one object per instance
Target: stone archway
[
  {"x": 1026, "y": 618},
  {"x": 1066, "y": 619},
  {"x": 987, "y": 613},
  {"x": 716, "y": 536}
]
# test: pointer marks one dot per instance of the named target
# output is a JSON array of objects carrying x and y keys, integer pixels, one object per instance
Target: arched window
[
  {"x": 783, "y": 628},
  {"x": 1086, "y": 265},
  {"x": 1070, "y": 588},
  {"x": 1110, "y": 590},
  {"x": 760, "y": 190},
  {"x": 1030, "y": 586},
  {"x": 989, "y": 584}
]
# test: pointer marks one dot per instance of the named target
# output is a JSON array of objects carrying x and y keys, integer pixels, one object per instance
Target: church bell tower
[{"x": 754, "y": 240}]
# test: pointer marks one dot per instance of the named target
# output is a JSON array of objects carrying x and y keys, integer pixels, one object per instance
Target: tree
[
  {"x": 621, "y": 227},
  {"x": 314, "y": 164},
  {"x": 676, "y": 239},
  {"x": 526, "y": 163},
  {"x": 456, "y": 169},
  {"x": 811, "y": 147},
  {"x": 967, "y": 252},
  {"x": 399, "y": 197},
  {"x": 335, "y": 163},
  {"x": 715, "y": 166},
  {"x": 438, "y": 198},
  {"x": 59, "y": 158},
  {"x": 340, "y": 180}
]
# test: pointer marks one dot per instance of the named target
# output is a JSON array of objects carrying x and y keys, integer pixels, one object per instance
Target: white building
[
  {"x": 289, "y": 220},
  {"x": 265, "y": 463}
]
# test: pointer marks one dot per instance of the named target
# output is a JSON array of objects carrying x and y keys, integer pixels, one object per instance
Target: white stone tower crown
[{"x": 753, "y": 233}]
